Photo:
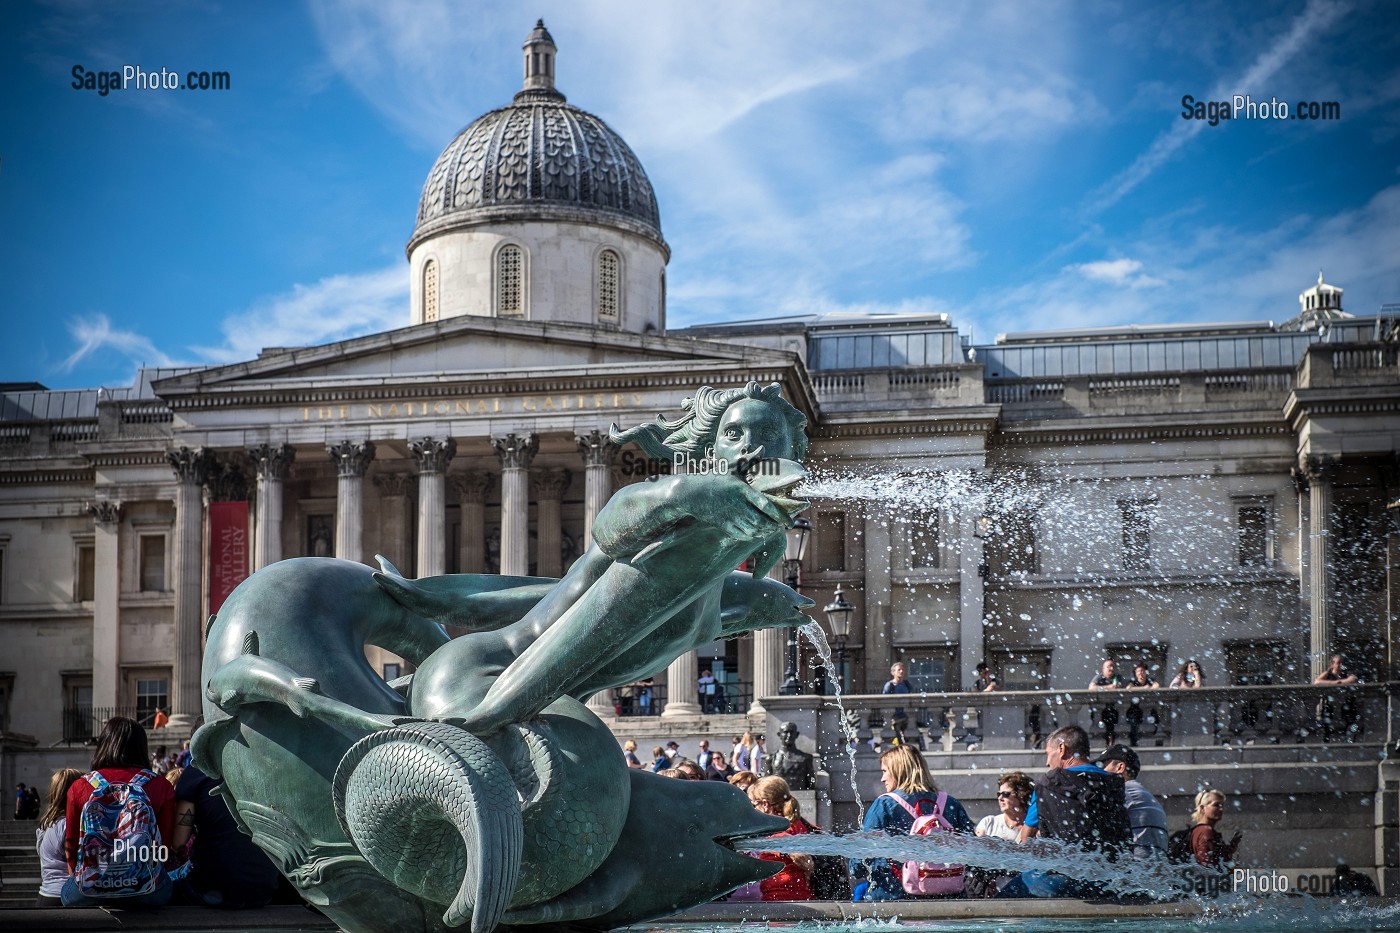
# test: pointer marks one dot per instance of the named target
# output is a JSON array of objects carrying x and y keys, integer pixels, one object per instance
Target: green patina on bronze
[{"x": 480, "y": 792}]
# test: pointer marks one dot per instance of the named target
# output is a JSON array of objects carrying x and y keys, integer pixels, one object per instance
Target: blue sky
[{"x": 1019, "y": 166}]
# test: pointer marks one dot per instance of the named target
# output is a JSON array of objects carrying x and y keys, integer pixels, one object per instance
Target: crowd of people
[
  {"x": 1094, "y": 803},
  {"x": 143, "y": 830}
]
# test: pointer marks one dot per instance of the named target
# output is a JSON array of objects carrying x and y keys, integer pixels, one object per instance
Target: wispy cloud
[
  {"x": 1359, "y": 249},
  {"x": 335, "y": 308},
  {"x": 94, "y": 334},
  {"x": 1306, "y": 30}
]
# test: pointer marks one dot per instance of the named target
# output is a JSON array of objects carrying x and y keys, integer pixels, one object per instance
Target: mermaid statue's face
[{"x": 748, "y": 425}]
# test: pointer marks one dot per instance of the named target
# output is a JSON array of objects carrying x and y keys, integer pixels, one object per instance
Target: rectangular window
[
  {"x": 3, "y": 591},
  {"x": 85, "y": 580},
  {"x": 152, "y": 693},
  {"x": 78, "y": 715},
  {"x": 831, "y": 541},
  {"x": 1254, "y": 531},
  {"x": 922, "y": 525},
  {"x": 1358, "y": 549},
  {"x": 1252, "y": 663},
  {"x": 1128, "y": 653},
  {"x": 1021, "y": 668},
  {"x": 932, "y": 669},
  {"x": 392, "y": 671},
  {"x": 1137, "y": 532},
  {"x": 7, "y": 689},
  {"x": 152, "y": 558},
  {"x": 1014, "y": 532}
]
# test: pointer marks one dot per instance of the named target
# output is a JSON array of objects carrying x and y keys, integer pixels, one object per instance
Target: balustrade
[{"x": 1219, "y": 716}]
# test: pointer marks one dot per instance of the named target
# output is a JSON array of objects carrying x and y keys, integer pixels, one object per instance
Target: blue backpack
[{"x": 119, "y": 846}]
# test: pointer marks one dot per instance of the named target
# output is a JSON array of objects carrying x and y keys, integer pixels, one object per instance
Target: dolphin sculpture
[{"x": 480, "y": 790}]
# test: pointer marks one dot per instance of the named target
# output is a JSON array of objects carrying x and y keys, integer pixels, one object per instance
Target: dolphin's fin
[{"x": 250, "y": 643}]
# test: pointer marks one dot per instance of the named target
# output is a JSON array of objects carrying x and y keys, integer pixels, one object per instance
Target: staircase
[{"x": 19, "y": 863}]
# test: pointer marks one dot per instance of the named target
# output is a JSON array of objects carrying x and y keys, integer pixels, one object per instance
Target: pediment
[{"x": 464, "y": 347}]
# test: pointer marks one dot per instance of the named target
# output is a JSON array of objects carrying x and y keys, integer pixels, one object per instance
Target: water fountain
[{"x": 480, "y": 791}]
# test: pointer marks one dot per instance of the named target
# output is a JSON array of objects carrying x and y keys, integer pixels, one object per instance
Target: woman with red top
[
  {"x": 1207, "y": 845},
  {"x": 121, "y": 756},
  {"x": 794, "y": 882}
]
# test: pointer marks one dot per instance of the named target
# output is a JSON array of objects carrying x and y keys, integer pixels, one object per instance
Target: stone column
[
  {"x": 877, "y": 640},
  {"x": 680, "y": 687},
  {"x": 352, "y": 460},
  {"x": 471, "y": 488},
  {"x": 769, "y": 656},
  {"x": 548, "y": 486},
  {"x": 1320, "y": 471},
  {"x": 515, "y": 452},
  {"x": 395, "y": 519},
  {"x": 272, "y": 463},
  {"x": 432, "y": 455},
  {"x": 971, "y": 580},
  {"x": 187, "y": 564},
  {"x": 598, "y": 453},
  {"x": 106, "y": 596}
]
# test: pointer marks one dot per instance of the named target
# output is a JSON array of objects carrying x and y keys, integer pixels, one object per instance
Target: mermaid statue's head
[{"x": 724, "y": 426}]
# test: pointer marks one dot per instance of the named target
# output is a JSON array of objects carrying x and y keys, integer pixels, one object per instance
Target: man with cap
[{"x": 1145, "y": 815}]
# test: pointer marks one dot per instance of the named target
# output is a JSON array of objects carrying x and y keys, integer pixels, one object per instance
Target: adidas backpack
[{"x": 119, "y": 846}]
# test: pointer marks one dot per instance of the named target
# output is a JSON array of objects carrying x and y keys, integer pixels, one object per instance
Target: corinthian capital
[
  {"x": 471, "y": 486},
  {"x": 190, "y": 464},
  {"x": 395, "y": 484},
  {"x": 550, "y": 483},
  {"x": 273, "y": 461},
  {"x": 1321, "y": 468},
  {"x": 433, "y": 454},
  {"x": 105, "y": 511},
  {"x": 351, "y": 458},
  {"x": 516, "y": 450},
  {"x": 596, "y": 448}
]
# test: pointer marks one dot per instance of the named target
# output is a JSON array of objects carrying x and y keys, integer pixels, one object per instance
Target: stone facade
[{"x": 1217, "y": 492}]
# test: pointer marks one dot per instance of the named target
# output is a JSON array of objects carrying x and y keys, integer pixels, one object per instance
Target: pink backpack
[{"x": 930, "y": 877}]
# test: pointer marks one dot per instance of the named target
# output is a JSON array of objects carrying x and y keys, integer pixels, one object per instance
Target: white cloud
[
  {"x": 335, "y": 308},
  {"x": 1125, "y": 273},
  {"x": 95, "y": 333}
]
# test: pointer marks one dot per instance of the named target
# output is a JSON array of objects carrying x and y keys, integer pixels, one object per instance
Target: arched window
[
  {"x": 510, "y": 281},
  {"x": 609, "y": 287},
  {"x": 430, "y": 291}
]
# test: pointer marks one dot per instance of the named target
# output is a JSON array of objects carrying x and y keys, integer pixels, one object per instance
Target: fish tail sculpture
[{"x": 428, "y": 804}]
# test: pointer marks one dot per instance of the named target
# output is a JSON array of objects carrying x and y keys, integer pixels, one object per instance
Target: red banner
[{"x": 228, "y": 550}]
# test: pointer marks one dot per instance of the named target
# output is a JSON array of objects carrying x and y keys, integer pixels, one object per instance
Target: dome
[{"x": 540, "y": 158}]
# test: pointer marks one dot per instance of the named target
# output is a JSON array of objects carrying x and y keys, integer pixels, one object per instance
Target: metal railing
[
  {"x": 733, "y": 698},
  {"x": 1217, "y": 716},
  {"x": 84, "y": 723},
  {"x": 639, "y": 700}
]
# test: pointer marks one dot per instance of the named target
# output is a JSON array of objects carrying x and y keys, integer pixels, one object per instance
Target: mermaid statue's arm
[{"x": 642, "y": 516}]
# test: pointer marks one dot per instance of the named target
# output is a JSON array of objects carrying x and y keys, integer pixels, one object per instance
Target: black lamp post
[
  {"x": 792, "y": 567},
  {"x": 838, "y": 617}
]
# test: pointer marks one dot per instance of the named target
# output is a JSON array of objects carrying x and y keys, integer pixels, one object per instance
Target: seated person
[{"x": 226, "y": 869}]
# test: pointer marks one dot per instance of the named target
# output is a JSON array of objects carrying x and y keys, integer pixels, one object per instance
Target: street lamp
[
  {"x": 792, "y": 567},
  {"x": 838, "y": 617}
]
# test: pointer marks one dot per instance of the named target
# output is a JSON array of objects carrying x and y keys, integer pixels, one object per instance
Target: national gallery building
[{"x": 1216, "y": 492}]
